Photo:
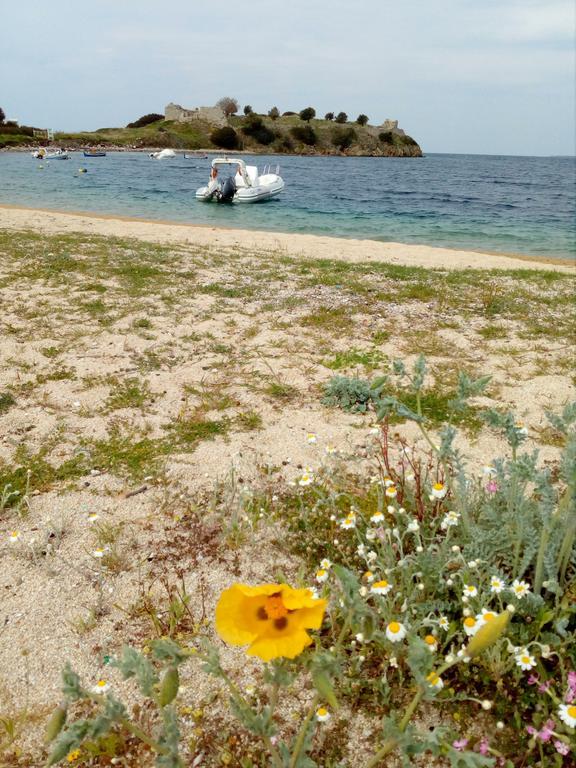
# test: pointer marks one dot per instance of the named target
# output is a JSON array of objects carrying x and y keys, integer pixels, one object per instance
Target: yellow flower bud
[
  {"x": 55, "y": 724},
  {"x": 169, "y": 687},
  {"x": 488, "y": 634}
]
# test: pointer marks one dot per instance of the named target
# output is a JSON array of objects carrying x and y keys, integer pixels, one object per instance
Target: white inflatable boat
[
  {"x": 246, "y": 186},
  {"x": 164, "y": 154}
]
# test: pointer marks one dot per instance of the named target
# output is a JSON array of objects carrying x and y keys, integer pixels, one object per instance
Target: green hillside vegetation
[{"x": 290, "y": 134}]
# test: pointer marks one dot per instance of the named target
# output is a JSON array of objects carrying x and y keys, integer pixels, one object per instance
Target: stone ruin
[{"x": 213, "y": 115}]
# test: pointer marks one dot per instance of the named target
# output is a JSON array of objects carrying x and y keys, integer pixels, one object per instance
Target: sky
[{"x": 465, "y": 76}]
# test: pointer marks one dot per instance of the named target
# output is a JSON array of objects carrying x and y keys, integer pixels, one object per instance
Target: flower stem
[{"x": 302, "y": 733}]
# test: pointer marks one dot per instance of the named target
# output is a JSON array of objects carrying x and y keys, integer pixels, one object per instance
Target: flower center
[
  {"x": 430, "y": 639},
  {"x": 394, "y": 627},
  {"x": 469, "y": 622},
  {"x": 275, "y": 608},
  {"x": 572, "y": 711},
  {"x": 488, "y": 616}
]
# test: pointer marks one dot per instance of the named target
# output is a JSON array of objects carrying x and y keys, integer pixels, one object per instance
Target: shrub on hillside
[
  {"x": 226, "y": 138},
  {"x": 307, "y": 114},
  {"x": 329, "y": 116},
  {"x": 248, "y": 109},
  {"x": 304, "y": 133},
  {"x": 343, "y": 138},
  {"x": 362, "y": 119},
  {"x": 274, "y": 113},
  {"x": 254, "y": 127},
  {"x": 341, "y": 117},
  {"x": 153, "y": 117},
  {"x": 2, "y": 116},
  {"x": 386, "y": 137},
  {"x": 288, "y": 114}
]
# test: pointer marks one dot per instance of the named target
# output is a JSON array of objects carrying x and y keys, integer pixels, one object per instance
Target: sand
[{"x": 314, "y": 246}]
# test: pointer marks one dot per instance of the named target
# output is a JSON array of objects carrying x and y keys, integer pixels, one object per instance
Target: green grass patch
[
  {"x": 7, "y": 400},
  {"x": 130, "y": 393},
  {"x": 369, "y": 359}
]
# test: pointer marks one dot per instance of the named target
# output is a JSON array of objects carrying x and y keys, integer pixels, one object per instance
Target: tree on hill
[
  {"x": 362, "y": 119},
  {"x": 307, "y": 114},
  {"x": 248, "y": 110},
  {"x": 2, "y": 116},
  {"x": 343, "y": 137},
  {"x": 329, "y": 116},
  {"x": 341, "y": 117},
  {"x": 228, "y": 105},
  {"x": 304, "y": 133},
  {"x": 153, "y": 117},
  {"x": 274, "y": 113},
  {"x": 227, "y": 138}
]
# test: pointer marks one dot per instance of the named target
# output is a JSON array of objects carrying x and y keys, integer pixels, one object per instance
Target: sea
[{"x": 487, "y": 203}]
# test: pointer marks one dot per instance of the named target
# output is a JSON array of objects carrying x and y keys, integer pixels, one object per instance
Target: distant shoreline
[{"x": 18, "y": 217}]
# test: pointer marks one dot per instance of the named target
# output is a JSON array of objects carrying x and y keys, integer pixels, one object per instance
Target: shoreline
[{"x": 18, "y": 217}]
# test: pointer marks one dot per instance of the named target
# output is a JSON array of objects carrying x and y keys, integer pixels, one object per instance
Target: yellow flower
[
  {"x": 271, "y": 619},
  {"x": 73, "y": 756}
]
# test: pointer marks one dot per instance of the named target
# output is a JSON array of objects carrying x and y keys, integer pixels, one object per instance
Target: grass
[
  {"x": 7, "y": 400},
  {"x": 369, "y": 359},
  {"x": 129, "y": 393}
]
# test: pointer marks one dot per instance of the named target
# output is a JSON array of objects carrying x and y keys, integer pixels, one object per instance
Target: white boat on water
[
  {"x": 46, "y": 154},
  {"x": 164, "y": 154},
  {"x": 246, "y": 186}
]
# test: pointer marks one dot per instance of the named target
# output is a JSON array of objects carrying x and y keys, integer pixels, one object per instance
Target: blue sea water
[{"x": 504, "y": 204}]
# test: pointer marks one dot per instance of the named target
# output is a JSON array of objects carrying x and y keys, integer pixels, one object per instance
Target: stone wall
[
  {"x": 392, "y": 125},
  {"x": 213, "y": 115}
]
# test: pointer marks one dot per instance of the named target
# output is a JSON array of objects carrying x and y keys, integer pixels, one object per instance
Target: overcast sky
[{"x": 479, "y": 76}]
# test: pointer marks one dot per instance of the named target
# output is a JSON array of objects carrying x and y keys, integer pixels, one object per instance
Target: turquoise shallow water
[{"x": 486, "y": 203}]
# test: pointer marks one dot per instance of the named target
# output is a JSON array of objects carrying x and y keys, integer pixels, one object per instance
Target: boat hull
[{"x": 256, "y": 194}]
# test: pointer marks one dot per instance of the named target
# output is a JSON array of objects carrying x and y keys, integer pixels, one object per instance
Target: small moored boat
[
  {"x": 48, "y": 154},
  {"x": 94, "y": 153},
  {"x": 246, "y": 186},
  {"x": 164, "y": 154}
]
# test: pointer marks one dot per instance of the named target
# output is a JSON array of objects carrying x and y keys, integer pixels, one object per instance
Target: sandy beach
[
  {"x": 51, "y": 222},
  {"x": 155, "y": 380}
]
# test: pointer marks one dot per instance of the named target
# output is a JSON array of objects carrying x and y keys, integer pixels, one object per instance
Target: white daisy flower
[
  {"x": 438, "y": 490},
  {"x": 380, "y": 587},
  {"x": 326, "y": 564},
  {"x": 395, "y": 631},
  {"x": 469, "y": 590},
  {"x": 443, "y": 623},
  {"x": 314, "y": 593},
  {"x": 99, "y": 552},
  {"x": 361, "y": 550},
  {"x": 92, "y": 517},
  {"x": 567, "y": 713},
  {"x": 470, "y": 626},
  {"x": 524, "y": 660},
  {"x": 388, "y": 482},
  {"x": 413, "y": 526},
  {"x": 14, "y": 536},
  {"x": 322, "y": 715},
  {"x": 391, "y": 510},
  {"x": 349, "y": 521},
  {"x": 391, "y": 492},
  {"x": 311, "y": 438},
  {"x": 485, "y": 616},
  {"x": 377, "y": 517},
  {"x": 371, "y": 556},
  {"x": 368, "y": 576},
  {"x": 432, "y": 643},
  {"x": 360, "y": 637},
  {"x": 520, "y": 588},
  {"x": 306, "y": 479},
  {"x": 497, "y": 585},
  {"x": 521, "y": 429},
  {"x": 488, "y": 470},
  {"x": 321, "y": 576},
  {"x": 449, "y": 519},
  {"x": 101, "y": 687},
  {"x": 435, "y": 681}
]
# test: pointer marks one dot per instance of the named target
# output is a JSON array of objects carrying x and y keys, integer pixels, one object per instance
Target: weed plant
[{"x": 446, "y": 588}]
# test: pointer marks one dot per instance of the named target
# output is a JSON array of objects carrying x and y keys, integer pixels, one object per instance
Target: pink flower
[
  {"x": 547, "y": 731},
  {"x": 545, "y": 686},
  {"x": 562, "y": 748},
  {"x": 460, "y": 744},
  {"x": 492, "y": 487},
  {"x": 533, "y": 680},
  {"x": 531, "y": 730},
  {"x": 483, "y": 746}
]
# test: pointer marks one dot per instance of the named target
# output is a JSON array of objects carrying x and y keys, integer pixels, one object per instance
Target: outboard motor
[{"x": 228, "y": 191}]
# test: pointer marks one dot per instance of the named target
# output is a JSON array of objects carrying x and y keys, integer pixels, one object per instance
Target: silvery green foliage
[
  {"x": 109, "y": 712},
  {"x": 353, "y": 395}
]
